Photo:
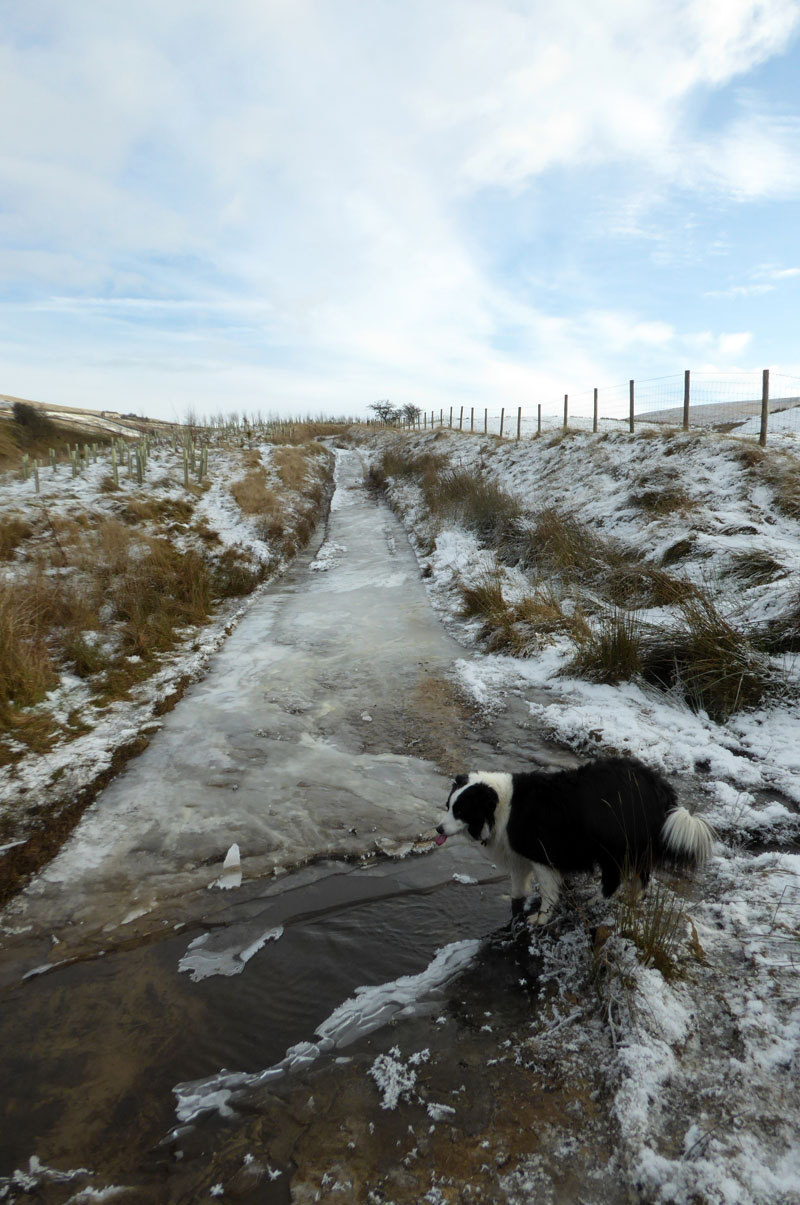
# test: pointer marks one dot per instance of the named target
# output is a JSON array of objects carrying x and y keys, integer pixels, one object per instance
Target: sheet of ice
[
  {"x": 369, "y": 1009},
  {"x": 231, "y": 876},
  {"x": 204, "y": 957},
  {"x": 270, "y": 751}
]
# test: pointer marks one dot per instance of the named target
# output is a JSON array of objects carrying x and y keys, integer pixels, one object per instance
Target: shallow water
[{"x": 124, "y": 1028}]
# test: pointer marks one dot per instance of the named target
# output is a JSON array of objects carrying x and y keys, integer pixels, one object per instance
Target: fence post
[
  {"x": 566, "y": 409},
  {"x": 486, "y": 421},
  {"x": 472, "y": 418},
  {"x": 631, "y": 413},
  {"x": 762, "y": 439},
  {"x": 502, "y": 419},
  {"x": 441, "y": 418},
  {"x": 461, "y": 420},
  {"x": 539, "y": 419},
  {"x": 686, "y": 395},
  {"x": 451, "y": 418},
  {"x": 519, "y": 422},
  {"x": 594, "y": 419}
]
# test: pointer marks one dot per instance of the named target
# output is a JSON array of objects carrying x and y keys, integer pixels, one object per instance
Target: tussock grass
[
  {"x": 782, "y": 634},
  {"x": 292, "y": 463},
  {"x": 517, "y": 628},
  {"x": 158, "y": 510},
  {"x": 252, "y": 494},
  {"x": 716, "y": 666},
  {"x": 656, "y": 923},
  {"x": 614, "y": 652},
  {"x": 13, "y": 532},
  {"x": 662, "y": 500},
  {"x": 478, "y": 504},
  {"x": 756, "y": 567},
  {"x": 558, "y": 544},
  {"x": 26, "y": 665}
]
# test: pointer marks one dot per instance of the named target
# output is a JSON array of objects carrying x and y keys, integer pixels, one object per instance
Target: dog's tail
[{"x": 686, "y": 838}]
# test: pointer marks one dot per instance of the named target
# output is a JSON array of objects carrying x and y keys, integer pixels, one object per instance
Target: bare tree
[{"x": 385, "y": 411}]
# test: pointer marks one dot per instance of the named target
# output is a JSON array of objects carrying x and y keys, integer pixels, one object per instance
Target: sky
[{"x": 305, "y": 206}]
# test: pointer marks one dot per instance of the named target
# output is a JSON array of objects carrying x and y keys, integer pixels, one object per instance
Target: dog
[{"x": 613, "y": 813}]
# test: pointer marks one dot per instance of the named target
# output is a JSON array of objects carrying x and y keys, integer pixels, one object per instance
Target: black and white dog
[{"x": 614, "y": 813}]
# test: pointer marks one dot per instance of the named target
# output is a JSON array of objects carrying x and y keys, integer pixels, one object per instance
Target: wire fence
[{"x": 754, "y": 405}]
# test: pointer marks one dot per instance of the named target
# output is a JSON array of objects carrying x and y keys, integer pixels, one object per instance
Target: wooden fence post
[
  {"x": 486, "y": 421},
  {"x": 539, "y": 419},
  {"x": 566, "y": 409},
  {"x": 472, "y": 418},
  {"x": 502, "y": 419},
  {"x": 686, "y": 395},
  {"x": 762, "y": 439},
  {"x": 461, "y": 420},
  {"x": 594, "y": 419},
  {"x": 519, "y": 422},
  {"x": 630, "y": 421},
  {"x": 451, "y": 417}
]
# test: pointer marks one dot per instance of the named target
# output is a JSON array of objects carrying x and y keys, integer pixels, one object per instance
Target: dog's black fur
[{"x": 613, "y": 813}]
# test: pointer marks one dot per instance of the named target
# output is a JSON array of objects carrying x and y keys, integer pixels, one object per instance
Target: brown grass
[
  {"x": 13, "y": 532},
  {"x": 292, "y": 464}
]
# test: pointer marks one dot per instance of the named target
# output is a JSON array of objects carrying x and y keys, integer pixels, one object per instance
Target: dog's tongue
[{"x": 440, "y": 838}]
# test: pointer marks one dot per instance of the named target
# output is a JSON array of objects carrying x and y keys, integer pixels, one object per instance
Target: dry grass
[
  {"x": 157, "y": 510},
  {"x": 717, "y": 667},
  {"x": 557, "y": 545},
  {"x": 13, "y": 533},
  {"x": 756, "y": 568},
  {"x": 614, "y": 652},
  {"x": 655, "y": 923},
  {"x": 292, "y": 464},
  {"x": 519, "y": 628}
]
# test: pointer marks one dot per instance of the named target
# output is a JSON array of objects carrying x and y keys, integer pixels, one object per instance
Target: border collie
[{"x": 614, "y": 813}]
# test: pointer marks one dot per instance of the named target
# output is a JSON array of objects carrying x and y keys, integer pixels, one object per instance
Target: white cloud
[{"x": 300, "y": 174}]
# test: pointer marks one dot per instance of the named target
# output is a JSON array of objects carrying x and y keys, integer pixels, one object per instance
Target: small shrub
[
  {"x": 32, "y": 423},
  {"x": 85, "y": 658}
]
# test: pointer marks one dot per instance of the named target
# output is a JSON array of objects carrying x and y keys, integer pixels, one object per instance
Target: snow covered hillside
[{"x": 643, "y": 594}]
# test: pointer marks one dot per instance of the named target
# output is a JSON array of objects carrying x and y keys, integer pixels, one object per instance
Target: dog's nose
[{"x": 440, "y": 828}]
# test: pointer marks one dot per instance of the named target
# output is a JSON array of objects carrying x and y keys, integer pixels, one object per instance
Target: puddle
[{"x": 124, "y": 1028}]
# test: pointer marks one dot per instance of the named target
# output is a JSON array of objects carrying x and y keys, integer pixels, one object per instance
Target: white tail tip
[{"x": 688, "y": 836}]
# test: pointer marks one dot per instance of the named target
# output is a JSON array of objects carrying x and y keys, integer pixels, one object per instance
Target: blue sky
[{"x": 301, "y": 206}]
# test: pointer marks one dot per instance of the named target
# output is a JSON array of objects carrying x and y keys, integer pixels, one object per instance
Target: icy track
[{"x": 275, "y": 750}]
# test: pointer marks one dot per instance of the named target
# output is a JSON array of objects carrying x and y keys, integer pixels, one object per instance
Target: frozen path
[{"x": 281, "y": 749}]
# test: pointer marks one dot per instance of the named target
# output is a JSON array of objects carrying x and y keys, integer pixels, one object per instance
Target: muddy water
[{"x": 323, "y": 730}]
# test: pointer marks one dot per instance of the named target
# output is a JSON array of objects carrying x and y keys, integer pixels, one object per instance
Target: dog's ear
[
  {"x": 476, "y": 808},
  {"x": 460, "y": 780}
]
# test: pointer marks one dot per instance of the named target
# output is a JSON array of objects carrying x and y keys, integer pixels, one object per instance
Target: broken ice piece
[{"x": 231, "y": 871}]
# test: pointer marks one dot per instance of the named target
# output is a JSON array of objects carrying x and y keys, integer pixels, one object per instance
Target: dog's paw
[{"x": 539, "y": 918}]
